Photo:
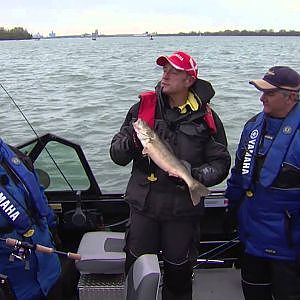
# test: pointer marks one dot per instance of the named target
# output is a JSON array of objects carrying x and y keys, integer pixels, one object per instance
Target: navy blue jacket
[
  {"x": 265, "y": 186},
  {"x": 18, "y": 214}
]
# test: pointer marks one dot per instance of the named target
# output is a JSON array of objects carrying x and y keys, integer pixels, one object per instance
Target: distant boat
[
  {"x": 37, "y": 36},
  {"x": 142, "y": 34},
  {"x": 52, "y": 35},
  {"x": 95, "y": 35}
]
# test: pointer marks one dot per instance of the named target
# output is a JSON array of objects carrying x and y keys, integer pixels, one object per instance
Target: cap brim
[
  {"x": 263, "y": 85},
  {"x": 162, "y": 60}
]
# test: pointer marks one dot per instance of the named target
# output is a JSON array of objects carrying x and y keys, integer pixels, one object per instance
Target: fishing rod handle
[
  {"x": 12, "y": 242},
  {"x": 75, "y": 256},
  {"x": 49, "y": 250},
  {"x": 44, "y": 249}
]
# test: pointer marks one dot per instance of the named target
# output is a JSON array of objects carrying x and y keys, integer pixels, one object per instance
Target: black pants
[
  {"x": 263, "y": 279},
  {"x": 176, "y": 240}
]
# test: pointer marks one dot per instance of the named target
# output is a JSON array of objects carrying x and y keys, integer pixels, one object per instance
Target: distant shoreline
[
  {"x": 262, "y": 32},
  {"x": 21, "y": 34}
]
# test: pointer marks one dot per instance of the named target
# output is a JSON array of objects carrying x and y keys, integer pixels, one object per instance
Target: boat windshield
[{"x": 63, "y": 162}]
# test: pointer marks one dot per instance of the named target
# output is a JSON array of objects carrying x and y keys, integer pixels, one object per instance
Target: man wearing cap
[
  {"x": 162, "y": 215},
  {"x": 264, "y": 188}
]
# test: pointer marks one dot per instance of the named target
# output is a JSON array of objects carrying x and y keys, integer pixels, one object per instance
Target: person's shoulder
[
  {"x": 215, "y": 114},
  {"x": 203, "y": 89},
  {"x": 23, "y": 157},
  {"x": 134, "y": 108},
  {"x": 253, "y": 119}
]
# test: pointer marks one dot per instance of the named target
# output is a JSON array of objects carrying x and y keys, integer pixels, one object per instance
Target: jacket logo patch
[
  {"x": 249, "y": 152},
  {"x": 15, "y": 160},
  {"x": 254, "y": 134},
  {"x": 287, "y": 130},
  {"x": 8, "y": 208}
]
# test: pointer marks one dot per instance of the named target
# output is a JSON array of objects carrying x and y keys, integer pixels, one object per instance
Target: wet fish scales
[{"x": 158, "y": 151}]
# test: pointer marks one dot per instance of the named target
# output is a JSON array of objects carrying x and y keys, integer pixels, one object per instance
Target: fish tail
[{"x": 197, "y": 191}]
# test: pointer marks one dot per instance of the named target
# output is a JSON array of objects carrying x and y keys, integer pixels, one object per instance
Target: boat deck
[
  {"x": 209, "y": 284},
  {"x": 216, "y": 284}
]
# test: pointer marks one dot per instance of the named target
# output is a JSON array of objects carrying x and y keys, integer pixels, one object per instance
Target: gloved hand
[
  {"x": 135, "y": 144},
  {"x": 206, "y": 174}
]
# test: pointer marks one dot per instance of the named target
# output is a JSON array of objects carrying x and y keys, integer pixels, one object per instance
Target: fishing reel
[{"x": 21, "y": 252}]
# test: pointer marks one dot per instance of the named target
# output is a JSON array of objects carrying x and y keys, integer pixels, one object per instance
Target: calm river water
[{"x": 81, "y": 89}]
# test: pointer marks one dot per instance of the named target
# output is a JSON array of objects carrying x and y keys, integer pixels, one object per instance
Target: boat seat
[
  {"x": 101, "y": 253},
  {"x": 143, "y": 279}
]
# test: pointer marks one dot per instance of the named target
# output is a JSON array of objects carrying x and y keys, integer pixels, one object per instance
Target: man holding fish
[{"x": 178, "y": 147}]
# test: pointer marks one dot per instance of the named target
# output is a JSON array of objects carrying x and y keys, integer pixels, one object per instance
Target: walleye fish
[{"x": 159, "y": 152}]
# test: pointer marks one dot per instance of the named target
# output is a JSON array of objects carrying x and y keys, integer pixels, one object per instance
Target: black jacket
[{"x": 189, "y": 137}]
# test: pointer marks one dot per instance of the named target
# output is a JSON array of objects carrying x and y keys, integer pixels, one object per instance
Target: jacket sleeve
[
  {"x": 51, "y": 216},
  {"x": 235, "y": 192},
  {"x": 217, "y": 158},
  {"x": 220, "y": 136},
  {"x": 125, "y": 145},
  {"x": 217, "y": 167}
]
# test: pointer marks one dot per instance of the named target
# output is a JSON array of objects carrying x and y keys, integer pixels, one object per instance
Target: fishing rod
[
  {"x": 201, "y": 261},
  {"x": 79, "y": 211},
  {"x": 39, "y": 139},
  {"x": 212, "y": 253},
  {"x": 24, "y": 249},
  {"x": 13, "y": 242}
]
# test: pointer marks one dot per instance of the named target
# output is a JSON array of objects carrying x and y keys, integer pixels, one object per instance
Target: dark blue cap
[{"x": 278, "y": 77}]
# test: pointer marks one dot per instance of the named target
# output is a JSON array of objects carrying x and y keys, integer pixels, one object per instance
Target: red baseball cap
[{"x": 180, "y": 61}]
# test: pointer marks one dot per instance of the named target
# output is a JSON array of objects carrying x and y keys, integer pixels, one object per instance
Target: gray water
[{"x": 81, "y": 89}]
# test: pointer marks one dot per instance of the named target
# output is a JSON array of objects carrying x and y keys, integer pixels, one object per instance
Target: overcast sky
[{"x": 138, "y": 16}]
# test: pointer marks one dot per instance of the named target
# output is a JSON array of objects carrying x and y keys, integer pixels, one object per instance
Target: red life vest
[{"x": 148, "y": 105}]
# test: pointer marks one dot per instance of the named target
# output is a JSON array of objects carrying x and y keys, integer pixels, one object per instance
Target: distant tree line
[
  {"x": 17, "y": 33},
  {"x": 262, "y": 32}
]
